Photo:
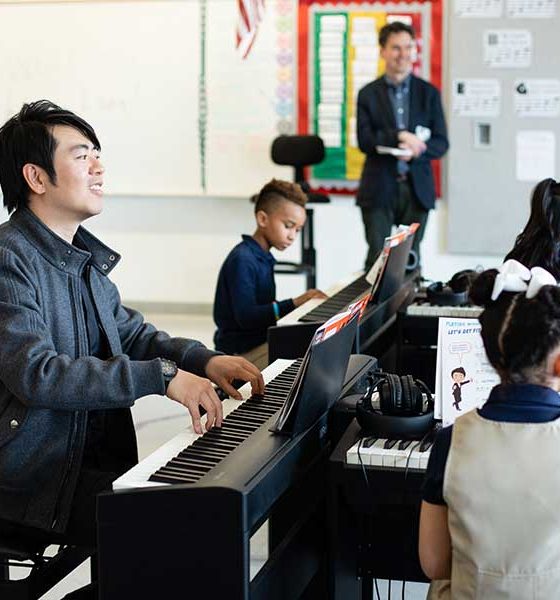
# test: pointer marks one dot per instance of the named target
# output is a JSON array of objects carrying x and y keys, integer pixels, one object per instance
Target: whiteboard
[{"x": 132, "y": 70}]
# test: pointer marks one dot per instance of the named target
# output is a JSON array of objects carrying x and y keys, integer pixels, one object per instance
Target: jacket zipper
[
  {"x": 97, "y": 315},
  {"x": 75, "y": 417}
]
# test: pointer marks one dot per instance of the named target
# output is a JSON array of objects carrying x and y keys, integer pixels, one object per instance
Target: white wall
[{"x": 173, "y": 247}]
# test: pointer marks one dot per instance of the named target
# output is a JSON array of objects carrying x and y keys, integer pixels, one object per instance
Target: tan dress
[{"x": 502, "y": 489}]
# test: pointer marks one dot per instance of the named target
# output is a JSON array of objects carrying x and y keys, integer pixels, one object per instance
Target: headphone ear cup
[
  {"x": 461, "y": 281},
  {"x": 417, "y": 396},
  {"x": 385, "y": 394},
  {"x": 407, "y": 385},
  {"x": 443, "y": 295},
  {"x": 396, "y": 394}
]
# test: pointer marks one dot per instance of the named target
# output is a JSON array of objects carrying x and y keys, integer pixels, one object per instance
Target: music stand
[
  {"x": 394, "y": 271},
  {"x": 317, "y": 386}
]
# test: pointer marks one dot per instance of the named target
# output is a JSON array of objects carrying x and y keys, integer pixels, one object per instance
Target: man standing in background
[{"x": 398, "y": 110}]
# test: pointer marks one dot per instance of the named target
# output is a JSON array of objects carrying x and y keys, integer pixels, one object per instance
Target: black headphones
[
  {"x": 402, "y": 412},
  {"x": 453, "y": 293}
]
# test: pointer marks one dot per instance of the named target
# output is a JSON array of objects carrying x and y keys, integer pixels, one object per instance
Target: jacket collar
[
  {"x": 60, "y": 253},
  {"x": 404, "y": 84}
]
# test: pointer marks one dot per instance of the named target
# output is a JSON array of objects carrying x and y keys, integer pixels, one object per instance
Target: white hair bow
[{"x": 514, "y": 277}]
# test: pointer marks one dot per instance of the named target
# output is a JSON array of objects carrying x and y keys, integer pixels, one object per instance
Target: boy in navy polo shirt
[{"x": 245, "y": 304}]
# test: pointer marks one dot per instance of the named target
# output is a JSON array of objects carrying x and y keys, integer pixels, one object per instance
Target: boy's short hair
[
  {"x": 27, "y": 138},
  {"x": 458, "y": 370},
  {"x": 275, "y": 191},
  {"x": 395, "y": 27}
]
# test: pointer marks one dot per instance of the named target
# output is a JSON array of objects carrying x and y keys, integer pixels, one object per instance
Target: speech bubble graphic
[{"x": 460, "y": 348}]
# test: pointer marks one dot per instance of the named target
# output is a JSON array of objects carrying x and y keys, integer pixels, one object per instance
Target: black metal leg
[
  {"x": 308, "y": 257},
  {"x": 4, "y": 572},
  {"x": 367, "y": 588}
]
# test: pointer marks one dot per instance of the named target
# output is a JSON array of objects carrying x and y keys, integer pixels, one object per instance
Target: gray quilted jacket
[{"x": 47, "y": 380}]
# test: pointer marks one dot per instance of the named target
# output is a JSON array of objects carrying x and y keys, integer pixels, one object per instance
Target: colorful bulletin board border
[{"x": 340, "y": 171}]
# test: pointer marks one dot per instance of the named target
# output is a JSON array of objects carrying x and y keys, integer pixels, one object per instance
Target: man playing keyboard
[{"x": 74, "y": 359}]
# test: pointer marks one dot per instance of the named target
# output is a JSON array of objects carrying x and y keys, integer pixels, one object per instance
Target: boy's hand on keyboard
[
  {"x": 223, "y": 370},
  {"x": 192, "y": 392},
  {"x": 313, "y": 293}
]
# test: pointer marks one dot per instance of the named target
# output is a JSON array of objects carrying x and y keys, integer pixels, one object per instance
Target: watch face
[{"x": 168, "y": 368}]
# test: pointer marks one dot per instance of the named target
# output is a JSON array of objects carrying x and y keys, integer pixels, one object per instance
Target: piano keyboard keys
[
  {"x": 395, "y": 454},
  {"x": 138, "y": 476},
  {"x": 425, "y": 309},
  {"x": 336, "y": 303},
  {"x": 200, "y": 457}
]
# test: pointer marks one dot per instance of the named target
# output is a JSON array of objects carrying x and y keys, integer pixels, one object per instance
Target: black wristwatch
[{"x": 168, "y": 370}]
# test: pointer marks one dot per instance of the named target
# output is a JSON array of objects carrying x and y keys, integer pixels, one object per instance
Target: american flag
[{"x": 251, "y": 13}]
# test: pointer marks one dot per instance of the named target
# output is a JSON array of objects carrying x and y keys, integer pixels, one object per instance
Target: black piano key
[
  {"x": 389, "y": 444},
  {"x": 404, "y": 444},
  {"x": 224, "y": 433},
  {"x": 225, "y": 445},
  {"x": 175, "y": 477},
  {"x": 198, "y": 458},
  {"x": 192, "y": 464},
  {"x": 182, "y": 466},
  {"x": 209, "y": 447},
  {"x": 248, "y": 417},
  {"x": 425, "y": 446},
  {"x": 203, "y": 451},
  {"x": 368, "y": 442},
  {"x": 171, "y": 478},
  {"x": 261, "y": 409},
  {"x": 174, "y": 469}
]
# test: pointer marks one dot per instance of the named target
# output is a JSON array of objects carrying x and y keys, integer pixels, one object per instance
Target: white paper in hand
[{"x": 393, "y": 151}]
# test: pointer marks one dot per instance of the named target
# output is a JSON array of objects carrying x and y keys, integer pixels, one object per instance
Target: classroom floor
[{"x": 158, "y": 419}]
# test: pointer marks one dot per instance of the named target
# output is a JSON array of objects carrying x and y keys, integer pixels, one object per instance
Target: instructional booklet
[{"x": 464, "y": 377}]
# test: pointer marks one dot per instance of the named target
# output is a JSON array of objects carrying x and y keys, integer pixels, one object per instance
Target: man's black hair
[
  {"x": 458, "y": 370},
  {"x": 396, "y": 27},
  {"x": 27, "y": 138}
]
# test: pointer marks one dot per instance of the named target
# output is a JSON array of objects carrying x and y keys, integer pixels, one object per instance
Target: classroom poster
[
  {"x": 464, "y": 377},
  {"x": 338, "y": 54}
]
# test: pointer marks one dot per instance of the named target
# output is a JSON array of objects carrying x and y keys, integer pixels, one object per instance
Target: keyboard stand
[{"x": 373, "y": 529}]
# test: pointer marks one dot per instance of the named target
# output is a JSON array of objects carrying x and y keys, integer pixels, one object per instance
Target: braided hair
[{"x": 518, "y": 333}]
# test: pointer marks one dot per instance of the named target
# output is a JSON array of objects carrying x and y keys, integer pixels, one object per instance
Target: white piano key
[
  {"x": 376, "y": 456},
  {"x": 138, "y": 476},
  {"x": 401, "y": 456},
  {"x": 423, "y": 309},
  {"x": 360, "y": 450},
  {"x": 388, "y": 455}
]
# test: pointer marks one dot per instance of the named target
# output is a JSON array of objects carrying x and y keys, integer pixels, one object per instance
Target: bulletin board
[
  {"x": 338, "y": 55},
  {"x": 503, "y": 115}
]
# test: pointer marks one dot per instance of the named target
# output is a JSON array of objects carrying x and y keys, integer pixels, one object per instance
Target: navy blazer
[{"x": 377, "y": 126}]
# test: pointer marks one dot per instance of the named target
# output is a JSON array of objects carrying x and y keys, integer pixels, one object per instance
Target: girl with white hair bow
[{"x": 490, "y": 523}]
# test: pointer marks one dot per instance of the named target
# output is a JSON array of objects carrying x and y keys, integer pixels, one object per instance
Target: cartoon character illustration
[{"x": 458, "y": 375}]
